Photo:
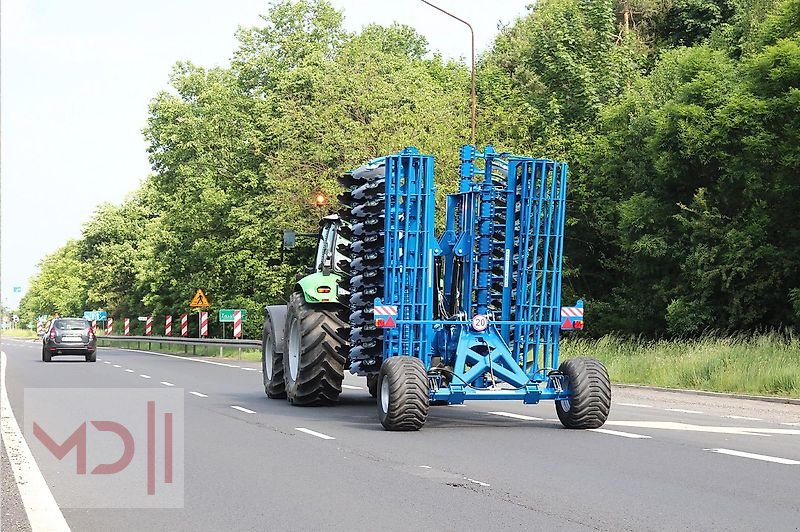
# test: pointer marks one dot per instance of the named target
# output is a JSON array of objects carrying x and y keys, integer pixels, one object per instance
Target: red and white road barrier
[
  {"x": 184, "y": 325},
  {"x": 148, "y": 326},
  {"x": 94, "y": 325},
  {"x": 110, "y": 326},
  {"x": 237, "y": 323},
  {"x": 127, "y": 326},
  {"x": 204, "y": 324},
  {"x": 168, "y": 327}
]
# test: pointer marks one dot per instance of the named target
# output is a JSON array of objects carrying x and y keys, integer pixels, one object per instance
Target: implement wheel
[
  {"x": 313, "y": 361},
  {"x": 590, "y": 403},
  {"x": 402, "y": 394},
  {"x": 271, "y": 362}
]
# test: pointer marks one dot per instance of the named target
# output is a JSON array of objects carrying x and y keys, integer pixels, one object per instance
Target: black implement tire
[
  {"x": 403, "y": 394},
  {"x": 372, "y": 385},
  {"x": 45, "y": 355},
  {"x": 271, "y": 362},
  {"x": 91, "y": 357},
  {"x": 590, "y": 403},
  {"x": 314, "y": 359}
]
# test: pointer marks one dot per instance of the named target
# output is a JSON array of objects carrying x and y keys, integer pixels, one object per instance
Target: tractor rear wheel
[
  {"x": 402, "y": 394},
  {"x": 313, "y": 361},
  {"x": 372, "y": 385},
  {"x": 590, "y": 403},
  {"x": 271, "y": 362}
]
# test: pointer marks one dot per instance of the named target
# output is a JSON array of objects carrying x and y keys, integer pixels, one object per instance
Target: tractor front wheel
[
  {"x": 403, "y": 396},
  {"x": 590, "y": 403},
  {"x": 313, "y": 361}
]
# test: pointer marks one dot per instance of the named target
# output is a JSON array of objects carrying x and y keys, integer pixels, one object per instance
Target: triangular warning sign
[
  {"x": 199, "y": 300},
  {"x": 567, "y": 324},
  {"x": 389, "y": 323}
]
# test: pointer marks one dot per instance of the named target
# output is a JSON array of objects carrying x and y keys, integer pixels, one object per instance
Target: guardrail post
[
  {"x": 220, "y": 351},
  {"x": 240, "y": 353}
]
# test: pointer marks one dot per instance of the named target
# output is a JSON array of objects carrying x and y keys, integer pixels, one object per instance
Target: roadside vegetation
[{"x": 758, "y": 364}]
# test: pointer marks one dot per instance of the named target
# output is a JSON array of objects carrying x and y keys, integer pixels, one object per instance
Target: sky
[{"x": 76, "y": 77}]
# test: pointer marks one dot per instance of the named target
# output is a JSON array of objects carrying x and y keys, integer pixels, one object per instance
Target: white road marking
[
  {"x": 243, "y": 409},
  {"x": 623, "y": 434},
  {"x": 516, "y": 416},
  {"x": 40, "y": 505},
  {"x": 478, "y": 482},
  {"x": 669, "y": 425},
  {"x": 315, "y": 433},
  {"x": 754, "y": 456},
  {"x": 634, "y": 405},
  {"x": 683, "y": 411},
  {"x": 425, "y": 466},
  {"x": 165, "y": 383},
  {"x": 116, "y": 365},
  {"x": 106, "y": 362},
  {"x": 198, "y": 394},
  {"x": 347, "y": 386},
  {"x": 144, "y": 376},
  {"x": 129, "y": 371},
  {"x": 744, "y": 417},
  {"x": 252, "y": 369},
  {"x": 791, "y": 424},
  {"x": 184, "y": 358}
]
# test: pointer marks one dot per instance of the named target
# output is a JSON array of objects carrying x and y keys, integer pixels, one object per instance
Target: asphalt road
[{"x": 664, "y": 461}]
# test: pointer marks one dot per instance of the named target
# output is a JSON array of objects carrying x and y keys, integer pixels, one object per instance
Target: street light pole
[{"x": 472, "y": 36}]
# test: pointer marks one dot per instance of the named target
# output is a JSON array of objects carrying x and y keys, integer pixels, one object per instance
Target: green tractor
[{"x": 304, "y": 343}]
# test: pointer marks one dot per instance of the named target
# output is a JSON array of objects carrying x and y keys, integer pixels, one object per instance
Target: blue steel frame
[{"x": 514, "y": 357}]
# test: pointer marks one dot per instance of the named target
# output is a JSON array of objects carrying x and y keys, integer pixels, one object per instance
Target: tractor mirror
[{"x": 289, "y": 238}]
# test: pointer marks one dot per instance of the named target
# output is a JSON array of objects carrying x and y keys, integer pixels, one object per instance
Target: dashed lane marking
[
  {"x": 762, "y": 457},
  {"x": 165, "y": 383},
  {"x": 129, "y": 371},
  {"x": 198, "y": 394},
  {"x": 478, "y": 482},
  {"x": 634, "y": 405},
  {"x": 349, "y": 387},
  {"x": 106, "y": 362},
  {"x": 243, "y": 409},
  {"x": 683, "y": 411},
  {"x": 315, "y": 433},
  {"x": 252, "y": 369},
  {"x": 744, "y": 417},
  {"x": 622, "y": 434},
  {"x": 516, "y": 416},
  {"x": 117, "y": 365},
  {"x": 144, "y": 376}
]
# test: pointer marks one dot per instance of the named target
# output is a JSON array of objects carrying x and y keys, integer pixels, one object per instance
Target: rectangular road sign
[
  {"x": 95, "y": 315},
  {"x": 226, "y": 315}
]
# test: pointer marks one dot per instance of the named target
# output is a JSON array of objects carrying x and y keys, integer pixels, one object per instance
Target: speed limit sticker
[{"x": 480, "y": 322}]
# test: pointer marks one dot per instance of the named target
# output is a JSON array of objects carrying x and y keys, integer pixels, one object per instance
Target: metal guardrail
[{"x": 189, "y": 344}]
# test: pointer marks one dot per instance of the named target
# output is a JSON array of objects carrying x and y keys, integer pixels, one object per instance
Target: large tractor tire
[
  {"x": 372, "y": 385},
  {"x": 271, "y": 362},
  {"x": 403, "y": 394},
  {"x": 590, "y": 403},
  {"x": 314, "y": 358}
]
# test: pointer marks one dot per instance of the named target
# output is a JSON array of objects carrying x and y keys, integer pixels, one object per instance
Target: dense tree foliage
[{"x": 679, "y": 118}]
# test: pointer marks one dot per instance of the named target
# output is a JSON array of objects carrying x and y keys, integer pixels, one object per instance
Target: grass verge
[
  {"x": 18, "y": 333},
  {"x": 760, "y": 364}
]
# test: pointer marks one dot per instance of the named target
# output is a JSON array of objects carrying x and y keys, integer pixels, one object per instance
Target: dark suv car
[{"x": 69, "y": 336}]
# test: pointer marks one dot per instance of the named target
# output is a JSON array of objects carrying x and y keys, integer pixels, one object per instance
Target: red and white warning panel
[
  {"x": 385, "y": 315},
  {"x": 572, "y": 317}
]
